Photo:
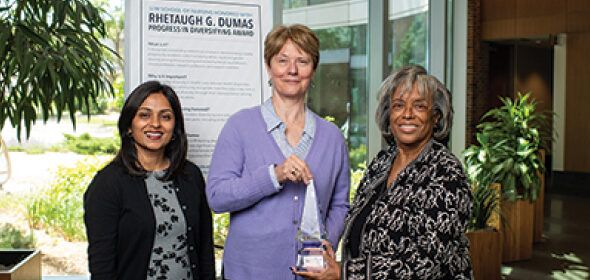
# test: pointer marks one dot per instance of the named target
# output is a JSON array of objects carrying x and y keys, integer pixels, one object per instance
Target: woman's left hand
[
  {"x": 293, "y": 169},
  {"x": 332, "y": 271}
]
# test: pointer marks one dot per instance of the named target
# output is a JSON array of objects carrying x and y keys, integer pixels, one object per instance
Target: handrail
[{"x": 4, "y": 174}]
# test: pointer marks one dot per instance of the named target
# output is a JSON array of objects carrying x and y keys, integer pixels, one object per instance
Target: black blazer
[{"x": 120, "y": 223}]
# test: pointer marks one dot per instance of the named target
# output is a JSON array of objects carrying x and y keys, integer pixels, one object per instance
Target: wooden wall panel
[
  {"x": 498, "y": 9},
  {"x": 537, "y": 18},
  {"x": 510, "y": 19},
  {"x": 578, "y": 15},
  {"x": 540, "y": 26},
  {"x": 577, "y": 126},
  {"x": 498, "y": 19}
]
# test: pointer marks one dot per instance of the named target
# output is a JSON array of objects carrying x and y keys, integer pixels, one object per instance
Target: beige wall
[{"x": 517, "y": 19}]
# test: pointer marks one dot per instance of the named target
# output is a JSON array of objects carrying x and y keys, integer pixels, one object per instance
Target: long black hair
[{"x": 175, "y": 150}]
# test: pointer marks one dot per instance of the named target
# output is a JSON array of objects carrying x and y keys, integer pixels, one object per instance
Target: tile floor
[{"x": 565, "y": 251}]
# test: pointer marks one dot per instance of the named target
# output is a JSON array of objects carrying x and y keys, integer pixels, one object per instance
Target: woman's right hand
[
  {"x": 332, "y": 271},
  {"x": 293, "y": 169}
]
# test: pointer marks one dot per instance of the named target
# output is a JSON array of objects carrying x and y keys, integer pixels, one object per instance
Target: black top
[
  {"x": 356, "y": 230},
  {"x": 120, "y": 223}
]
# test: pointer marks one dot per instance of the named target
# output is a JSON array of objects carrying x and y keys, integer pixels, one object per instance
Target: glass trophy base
[{"x": 311, "y": 256}]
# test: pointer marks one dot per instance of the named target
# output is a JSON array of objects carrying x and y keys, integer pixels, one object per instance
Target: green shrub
[
  {"x": 10, "y": 202},
  {"x": 38, "y": 149},
  {"x": 58, "y": 209},
  {"x": 35, "y": 150},
  {"x": 119, "y": 99},
  {"x": 99, "y": 120},
  {"x": 485, "y": 205},
  {"x": 88, "y": 145},
  {"x": 220, "y": 228},
  {"x": 16, "y": 149},
  {"x": 13, "y": 238},
  {"x": 358, "y": 156},
  {"x": 110, "y": 123},
  {"x": 57, "y": 149},
  {"x": 30, "y": 150},
  {"x": 98, "y": 107},
  {"x": 355, "y": 178},
  {"x": 330, "y": 119}
]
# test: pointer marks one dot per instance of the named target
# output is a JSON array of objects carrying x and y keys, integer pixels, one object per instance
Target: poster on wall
[{"x": 210, "y": 53}]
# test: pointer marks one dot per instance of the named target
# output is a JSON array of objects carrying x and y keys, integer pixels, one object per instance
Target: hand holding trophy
[{"x": 311, "y": 254}]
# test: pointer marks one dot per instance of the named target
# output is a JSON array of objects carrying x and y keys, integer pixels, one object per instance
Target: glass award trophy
[{"x": 310, "y": 256}]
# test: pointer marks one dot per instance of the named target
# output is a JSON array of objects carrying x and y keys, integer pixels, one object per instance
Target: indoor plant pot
[
  {"x": 516, "y": 230},
  {"x": 484, "y": 238},
  {"x": 509, "y": 140},
  {"x": 485, "y": 252}
]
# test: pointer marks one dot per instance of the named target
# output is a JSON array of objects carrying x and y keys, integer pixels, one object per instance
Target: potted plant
[
  {"x": 509, "y": 140},
  {"x": 483, "y": 234}
]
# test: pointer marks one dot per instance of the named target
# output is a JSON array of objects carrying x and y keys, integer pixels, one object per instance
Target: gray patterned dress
[{"x": 169, "y": 259}]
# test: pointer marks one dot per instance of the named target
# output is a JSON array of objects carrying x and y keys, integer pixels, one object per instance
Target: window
[
  {"x": 340, "y": 89},
  {"x": 408, "y": 33}
]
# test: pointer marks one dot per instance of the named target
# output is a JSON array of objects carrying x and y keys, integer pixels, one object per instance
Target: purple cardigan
[{"x": 261, "y": 243}]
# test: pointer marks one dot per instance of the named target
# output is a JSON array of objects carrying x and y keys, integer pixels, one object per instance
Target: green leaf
[
  {"x": 511, "y": 136},
  {"x": 481, "y": 156},
  {"x": 51, "y": 59},
  {"x": 39, "y": 39}
]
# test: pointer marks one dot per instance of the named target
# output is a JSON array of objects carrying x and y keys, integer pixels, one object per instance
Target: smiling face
[
  {"x": 153, "y": 124},
  {"x": 290, "y": 71},
  {"x": 411, "y": 119}
]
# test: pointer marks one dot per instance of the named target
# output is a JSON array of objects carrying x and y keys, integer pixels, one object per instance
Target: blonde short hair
[{"x": 299, "y": 34}]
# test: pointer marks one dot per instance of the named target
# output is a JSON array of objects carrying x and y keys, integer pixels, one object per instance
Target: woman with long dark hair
[{"x": 146, "y": 214}]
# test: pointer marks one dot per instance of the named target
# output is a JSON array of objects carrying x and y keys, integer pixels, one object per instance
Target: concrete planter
[{"x": 20, "y": 265}]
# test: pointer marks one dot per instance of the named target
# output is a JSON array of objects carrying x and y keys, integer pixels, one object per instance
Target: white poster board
[{"x": 211, "y": 54}]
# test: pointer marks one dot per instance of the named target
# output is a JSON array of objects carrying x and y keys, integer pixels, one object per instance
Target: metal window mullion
[{"x": 376, "y": 68}]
